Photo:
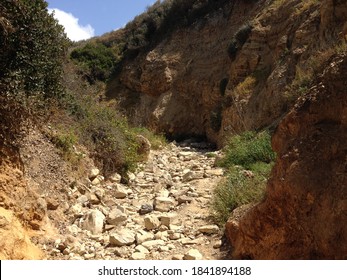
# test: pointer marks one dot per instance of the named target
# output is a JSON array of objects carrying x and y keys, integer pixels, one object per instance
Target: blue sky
[{"x": 83, "y": 19}]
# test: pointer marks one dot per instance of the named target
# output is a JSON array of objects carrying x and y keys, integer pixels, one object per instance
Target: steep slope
[
  {"x": 238, "y": 68},
  {"x": 306, "y": 203}
]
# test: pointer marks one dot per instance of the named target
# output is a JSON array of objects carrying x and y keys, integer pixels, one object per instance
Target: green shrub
[
  {"x": 250, "y": 151},
  {"x": 247, "y": 149},
  {"x": 98, "y": 61},
  {"x": 103, "y": 131},
  {"x": 107, "y": 135},
  {"x": 237, "y": 189}
]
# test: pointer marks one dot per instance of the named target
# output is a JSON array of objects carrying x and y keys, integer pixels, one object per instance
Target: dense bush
[
  {"x": 33, "y": 47},
  {"x": 96, "y": 59}
]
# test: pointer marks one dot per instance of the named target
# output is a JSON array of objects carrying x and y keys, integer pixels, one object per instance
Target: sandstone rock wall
[
  {"x": 189, "y": 84},
  {"x": 306, "y": 202}
]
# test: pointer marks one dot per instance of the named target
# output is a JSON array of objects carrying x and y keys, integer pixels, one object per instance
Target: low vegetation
[
  {"x": 248, "y": 159},
  {"x": 39, "y": 83}
]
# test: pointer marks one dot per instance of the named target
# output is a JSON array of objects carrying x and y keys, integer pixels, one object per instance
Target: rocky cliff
[
  {"x": 306, "y": 203},
  {"x": 237, "y": 68}
]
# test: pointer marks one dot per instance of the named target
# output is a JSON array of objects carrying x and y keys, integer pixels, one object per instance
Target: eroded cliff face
[
  {"x": 305, "y": 208},
  {"x": 230, "y": 71}
]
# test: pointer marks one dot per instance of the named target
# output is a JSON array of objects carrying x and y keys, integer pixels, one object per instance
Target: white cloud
[{"x": 73, "y": 29}]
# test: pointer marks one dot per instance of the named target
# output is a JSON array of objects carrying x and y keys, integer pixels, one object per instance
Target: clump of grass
[
  {"x": 238, "y": 189},
  {"x": 246, "y": 87},
  {"x": 247, "y": 149},
  {"x": 249, "y": 160}
]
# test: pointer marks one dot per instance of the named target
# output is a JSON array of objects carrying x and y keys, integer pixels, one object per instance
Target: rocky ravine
[{"x": 162, "y": 213}]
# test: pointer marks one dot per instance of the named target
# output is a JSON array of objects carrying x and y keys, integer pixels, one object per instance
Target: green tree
[{"x": 33, "y": 48}]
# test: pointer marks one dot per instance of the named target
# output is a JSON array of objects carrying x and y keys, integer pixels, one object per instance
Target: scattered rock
[
  {"x": 209, "y": 229},
  {"x": 184, "y": 199},
  {"x": 163, "y": 204},
  {"x": 120, "y": 192},
  {"x": 153, "y": 244},
  {"x": 145, "y": 209},
  {"x": 52, "y": 203},
  {"x": 122, "y": 237},
  {"x": 215, "y": 172},
  {"x": 94, "y": 221},
  {"x": 177, "y": 257},
  {"x": 117, "y": 217},
  {"x": 138, "y": 256},
  {"x": 143, "y": 236},
  {"x": 115, "y": 178},
  {"x": 151, "y": 222},
  {"x": 192, "y": 254},
  {"x": 93, "y": 173}
]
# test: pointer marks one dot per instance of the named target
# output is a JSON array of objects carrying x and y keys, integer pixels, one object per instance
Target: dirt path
[{"x": 162, "y": 213}]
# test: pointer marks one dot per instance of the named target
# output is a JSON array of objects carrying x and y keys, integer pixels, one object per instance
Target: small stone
[
  {"x": 177, "y": 257},
  {"x": 83, "y": 199},
  {"x": 131, "y": 176},
  {"x": 174, "y": 236},
  {"x": 122, "y": 237},
  {"x": 52, "y": 204},
  {"x": 184, "y": 199},
  {"x": 89, "y": 256},
  {"x": 153, "y": 244},
  {"x": 151, "y": 222},
  {"x": 163, "y": 249},
  {"x": 141, "y": 249},
  {"x": 93, "y": 199},
  {"x": 138, "y": 256},
  {"x": 145, "y": 209},
  {"x": 143, "y": 236},
  {"x": 167, "y": 219},
  {"x": 115, "y": 178},
  {"x": 93, "y": 173},
  {"x": 188, "y": 241},
  {"x": 94, "y": 222},
  {"x": 217, "y": 244},
  {"x": 192, "y": 254},
  {"x": 163, "y": 204},
  {"x": 209, "y": 229},
  {"x": 96, "y": 181},
  {"x": 215, "y": 172},
  {"x": 117, "y": 217},
  {"x": 163, "y": 235},
  {"x": 120, "y": 192}
]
